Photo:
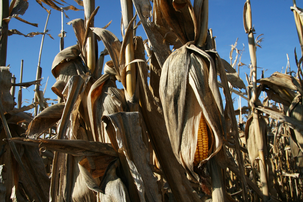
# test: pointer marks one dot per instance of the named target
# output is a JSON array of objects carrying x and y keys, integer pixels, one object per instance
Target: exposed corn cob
[{"x": 202, "y": 142}]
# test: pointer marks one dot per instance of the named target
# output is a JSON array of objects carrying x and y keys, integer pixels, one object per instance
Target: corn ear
[{"x": 202, "y": 142}]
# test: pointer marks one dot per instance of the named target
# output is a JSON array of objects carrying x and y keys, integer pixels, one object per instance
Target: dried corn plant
[{"x": 166, "y": 135}]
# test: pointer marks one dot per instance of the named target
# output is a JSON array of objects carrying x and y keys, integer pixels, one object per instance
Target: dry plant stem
[
  {"x": 62, "y": 32},
  {"x": 13, "y": 147},
  {"x": 89, "y": 6},
  {"x": 13, "y": 80},
  {"x": 298, "y": 22},
  {"x": 20, "y": 88},
  {"x": 4, "y": 12},
  {"x": 127, "y": 15},
  {"x": 253, "y": 57},
  {"x": 37, "y": 97}
]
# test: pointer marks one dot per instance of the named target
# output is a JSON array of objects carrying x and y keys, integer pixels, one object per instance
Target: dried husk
[
  {"x": 125, "y": 131},
  {"x": 112, "y": 44},
  {"x": 252, "y": 142},
  {"x": 66, "y": 64},
  {"x": 104, "y": 98},
  {"x": 161, "y": 49},
  {"x": 188, "y": 88}
]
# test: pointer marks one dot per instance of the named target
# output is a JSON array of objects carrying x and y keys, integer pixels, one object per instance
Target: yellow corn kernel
[{"x": 202, "y": 142}]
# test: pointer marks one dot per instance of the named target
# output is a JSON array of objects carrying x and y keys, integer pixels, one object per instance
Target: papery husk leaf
[
  {"x": 44, "y": 120},
  {"x": 103, "y": 99},
  {"x": 235, "y": 80},
  {"x": 79, "y": 29},
  {"x": 125, "y": 129},
  {"x": 155, "y": 124},
  {"x": 161, "y": 49},
  {"x": 80, "y": 191},
  {"x": 180, "y": 21},
  {"x": 201, "y": 13},
  {"x": 66, "y": 55},
  {"x": 18, "y": 8},
  {"x": 252, "y": 142},
  {"x": 112, "y": 185},
  {"x": 188, "y": 88},
  {"x": 31, "y": 34},
  {"x": 162, "y": 27},
  {"x": 112, "y": 44}
]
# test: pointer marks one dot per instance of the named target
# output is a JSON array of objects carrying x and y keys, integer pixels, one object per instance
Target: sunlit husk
[
  {"x": 188, "y": 88},
  {"x": 252, "y": 142}
]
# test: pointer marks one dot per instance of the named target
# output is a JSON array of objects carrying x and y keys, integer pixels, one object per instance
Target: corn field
[{"x": 157, "y": 122}]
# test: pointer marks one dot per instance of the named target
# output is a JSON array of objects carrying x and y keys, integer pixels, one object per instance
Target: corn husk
[
  {"x": 252, "y": 142},
  {"x": 125, "y": 131},
  {"x": 104, "y": 98},
  {"x": 188, "y": 88}
]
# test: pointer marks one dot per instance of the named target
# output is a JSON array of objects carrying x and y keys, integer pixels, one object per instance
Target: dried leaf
[
  {"x": 125, "y": 128},
  {"x": 31, "y": 34},
  {"x": 71, "y": 7},
  {"x": 46, "y": 119},
  {"x": 112, "y": 44},
  {"x": 235, "y": 80},
  {"x": 79, "y": 2},
  {"x": 73, "y": 147},
  {"x": 19, "y": 7}
]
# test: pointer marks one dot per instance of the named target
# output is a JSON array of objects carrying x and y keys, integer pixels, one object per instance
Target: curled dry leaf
[
  {"x": 104, "y": 98},
  {"x": 112, "y": 44},
  {"x": 281, "y": 87},
  {"x": 66, "y": 64},
  {"x": 44, "y": 120}
]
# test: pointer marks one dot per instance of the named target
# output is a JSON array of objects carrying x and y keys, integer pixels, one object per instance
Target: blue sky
[{"x": 271, "y": 18}]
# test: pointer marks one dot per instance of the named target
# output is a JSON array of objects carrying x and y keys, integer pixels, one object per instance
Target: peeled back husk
[{"x": 188, "y": 89}]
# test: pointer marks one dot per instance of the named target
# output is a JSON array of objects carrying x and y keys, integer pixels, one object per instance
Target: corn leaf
[{"x": 46, "y": 119}]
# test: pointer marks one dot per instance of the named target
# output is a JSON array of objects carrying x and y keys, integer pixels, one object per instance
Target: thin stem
[{"x": 39, "y": 70}]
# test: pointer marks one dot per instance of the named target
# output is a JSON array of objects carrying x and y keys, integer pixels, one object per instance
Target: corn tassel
[{"x": 202, "y": 142}]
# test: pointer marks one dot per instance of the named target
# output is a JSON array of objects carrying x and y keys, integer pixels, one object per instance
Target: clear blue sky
[{"x": 271, "y": 18}]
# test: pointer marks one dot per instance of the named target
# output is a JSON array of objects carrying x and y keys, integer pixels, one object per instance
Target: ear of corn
[{"x": 202, "y": 142}]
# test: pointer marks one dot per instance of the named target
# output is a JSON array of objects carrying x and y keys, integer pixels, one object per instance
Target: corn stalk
[
  {"x": 89, "y": 6},
  {"x": 38, "y": 97},
  {"x": 252, "y": 50},
  {"x": 4, "y": 12},
  {"x": 127, "y": 15},
  {"x": 299, "y": 23}
]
